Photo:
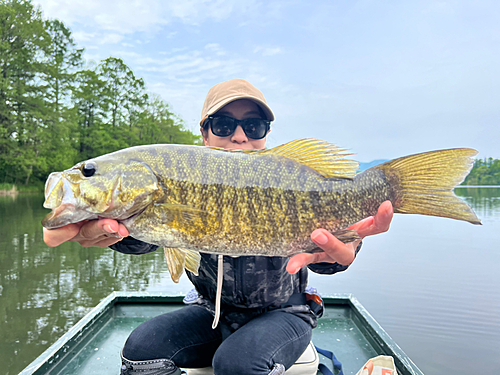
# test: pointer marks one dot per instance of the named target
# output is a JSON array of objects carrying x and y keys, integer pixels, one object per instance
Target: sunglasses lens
[
  {"x": 223, "y": 126},
  {"x": 255, "y": 128}
]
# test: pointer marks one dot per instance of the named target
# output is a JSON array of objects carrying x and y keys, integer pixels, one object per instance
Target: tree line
[
  {"x": 484, "y": 172},
  {"x": 56, "y": 109}
]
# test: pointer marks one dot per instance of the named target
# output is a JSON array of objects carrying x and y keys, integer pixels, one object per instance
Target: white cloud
[
  {"x": 367, "y": 75},
  {"x": 190, "y": 66},
  {"x": 268, "y": 51},
  {"x": 184, "y": 76},
  {"x": 129, "y": 16},
  {"x": 111, "y": 39},
  {"x": 82, "y": 36},
  {"x": 215, "y": 48}
]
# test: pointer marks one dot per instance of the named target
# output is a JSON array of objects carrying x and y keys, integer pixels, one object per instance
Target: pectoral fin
[{"x": 186, "y": 219}]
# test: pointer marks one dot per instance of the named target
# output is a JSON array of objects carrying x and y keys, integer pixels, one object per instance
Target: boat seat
[{"x": 307, "y": 364}]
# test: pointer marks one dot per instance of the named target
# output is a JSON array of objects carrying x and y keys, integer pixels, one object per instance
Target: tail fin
[{"x": 425, "y": 183}]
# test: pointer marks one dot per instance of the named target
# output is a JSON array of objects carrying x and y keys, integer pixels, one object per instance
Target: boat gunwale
[
  {"x": 63, "y": 347},
  {"x": 376, "y": 334}
]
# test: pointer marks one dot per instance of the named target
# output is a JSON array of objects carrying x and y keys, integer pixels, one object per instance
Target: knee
[
  {"x": 225, "y": 364},
  {"x": 142, "y": 345}
]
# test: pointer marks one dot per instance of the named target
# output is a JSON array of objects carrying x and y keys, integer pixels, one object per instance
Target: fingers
[
  {"x": 384, "y": 217},
  {"x": 55, "y": 237},
  {"x": 335, "y": 251},
  {"x": 99, "y": 228},
  {"x": 379, "y": 223},
  {"x": 103, "y": 233},
  {"x": 301, "y": 260},
  {"x": 338, "y": 251}
]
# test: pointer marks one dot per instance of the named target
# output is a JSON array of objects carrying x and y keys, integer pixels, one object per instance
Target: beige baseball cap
[{"x": 226, "y": 92}]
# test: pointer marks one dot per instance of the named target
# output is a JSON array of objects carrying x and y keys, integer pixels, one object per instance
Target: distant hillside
[
  {"x": 484, "y": 172},
  {"x": 365, "y": 166}
]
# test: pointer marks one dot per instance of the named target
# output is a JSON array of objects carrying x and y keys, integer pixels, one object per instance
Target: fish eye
[{"x": 89, "y": 169}]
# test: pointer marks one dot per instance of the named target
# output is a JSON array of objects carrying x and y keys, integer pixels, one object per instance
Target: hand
[
  {"x": 336, "y": 251},
  {"x": 102, "y": 233}
]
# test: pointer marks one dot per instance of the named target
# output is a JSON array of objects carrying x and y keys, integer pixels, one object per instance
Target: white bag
[{"x": 381, "y": 365}]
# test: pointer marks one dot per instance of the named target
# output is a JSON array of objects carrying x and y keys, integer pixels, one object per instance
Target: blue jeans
[{"x": 269, "y": 342}]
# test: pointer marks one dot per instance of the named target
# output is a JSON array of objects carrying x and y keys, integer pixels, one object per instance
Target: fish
[{"x": 192, "y": 199}]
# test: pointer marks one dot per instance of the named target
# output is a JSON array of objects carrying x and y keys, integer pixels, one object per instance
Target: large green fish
[{"x": 192, "y": 199}]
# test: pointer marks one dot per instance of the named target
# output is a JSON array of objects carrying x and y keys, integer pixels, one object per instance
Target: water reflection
[
  {"x": 484, "y": 201},
  {"x": 44, "y": 291}
]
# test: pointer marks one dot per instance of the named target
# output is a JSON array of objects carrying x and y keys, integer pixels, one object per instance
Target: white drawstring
[{"x": 220, "y": 279}]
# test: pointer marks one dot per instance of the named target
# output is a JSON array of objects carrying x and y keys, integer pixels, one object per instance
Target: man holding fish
[{"x": 265, "y": 319}]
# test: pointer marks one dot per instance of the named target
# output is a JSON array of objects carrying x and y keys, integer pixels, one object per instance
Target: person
[{"x": 266, "y": 322}]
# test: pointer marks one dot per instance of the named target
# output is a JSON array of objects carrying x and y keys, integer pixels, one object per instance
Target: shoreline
[
  {"x": 477, "y": 186},
  {"x": 14, "y": 191}
]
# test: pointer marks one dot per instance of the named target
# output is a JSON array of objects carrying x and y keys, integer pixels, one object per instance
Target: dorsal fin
[{"x": 325, "y": 158}]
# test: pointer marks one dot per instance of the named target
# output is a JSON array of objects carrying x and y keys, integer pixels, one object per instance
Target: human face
[{"x": 239, "y": 109}]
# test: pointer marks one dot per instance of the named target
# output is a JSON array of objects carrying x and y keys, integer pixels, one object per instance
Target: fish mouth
[
  {"x": 73, "y": 199},
  {"x": 60, "y": 197},
  {"x": 64, "y": 198},
  {"x": 66, "y": 214}
]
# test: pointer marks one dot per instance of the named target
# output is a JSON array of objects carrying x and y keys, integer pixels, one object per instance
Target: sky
[{"x": 381, "y": 78}]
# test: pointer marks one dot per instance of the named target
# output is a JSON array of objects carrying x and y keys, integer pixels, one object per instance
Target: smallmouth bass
[{"x": 191, "y": 199}]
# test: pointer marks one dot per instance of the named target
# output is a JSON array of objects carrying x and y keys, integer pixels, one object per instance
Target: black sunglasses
[{"x": 224, "y": 126}]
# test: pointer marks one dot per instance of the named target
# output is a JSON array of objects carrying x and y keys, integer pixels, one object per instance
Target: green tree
[
  {"x": 157, "y": 124},
  {"x": 126, "y": 98},
  {"x": 23, "y": 36},
  {"x": 54, "y": 112},
  {"x": 59, "y": 63},
  {"x": 91, "y": 108},
  {"x": 124, "y": 92},
  {"x": 484, "y": 172}
]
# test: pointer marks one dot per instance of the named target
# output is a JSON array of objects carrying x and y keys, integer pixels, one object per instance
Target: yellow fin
[
  {"x": 185, "y": 218},
  {"x": 175, "y": 262},
  {"x": 192, "y": 260},
  {"x": 325, "y": 158},
  {"x": 424, "y": 183}
]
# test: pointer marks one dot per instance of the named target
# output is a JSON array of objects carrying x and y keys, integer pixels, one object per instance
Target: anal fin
[
  {"x": 347, "y": 235},
  {"x": 178, "y": 259}
]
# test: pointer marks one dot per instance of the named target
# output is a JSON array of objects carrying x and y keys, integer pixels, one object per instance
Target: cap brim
[{"x": 267, "y": 111}]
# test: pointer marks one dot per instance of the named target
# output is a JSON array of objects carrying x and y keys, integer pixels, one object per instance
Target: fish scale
[{"x": 192, "y": 199}]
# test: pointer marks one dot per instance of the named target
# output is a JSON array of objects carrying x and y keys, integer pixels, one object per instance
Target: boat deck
[{"x": 93, "y": 345}]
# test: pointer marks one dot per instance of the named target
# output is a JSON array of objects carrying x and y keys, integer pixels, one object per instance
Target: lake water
[{"x": 432, "y": 283}]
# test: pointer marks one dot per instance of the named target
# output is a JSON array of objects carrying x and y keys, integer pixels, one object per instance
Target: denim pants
[{"x": 267, "y": 344}]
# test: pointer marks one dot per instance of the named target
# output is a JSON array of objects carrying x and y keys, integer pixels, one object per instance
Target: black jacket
[{"x": 250, "y": 282}]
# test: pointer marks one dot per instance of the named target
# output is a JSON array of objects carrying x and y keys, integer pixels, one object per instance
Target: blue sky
[{"x": 381, "y": 78}]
